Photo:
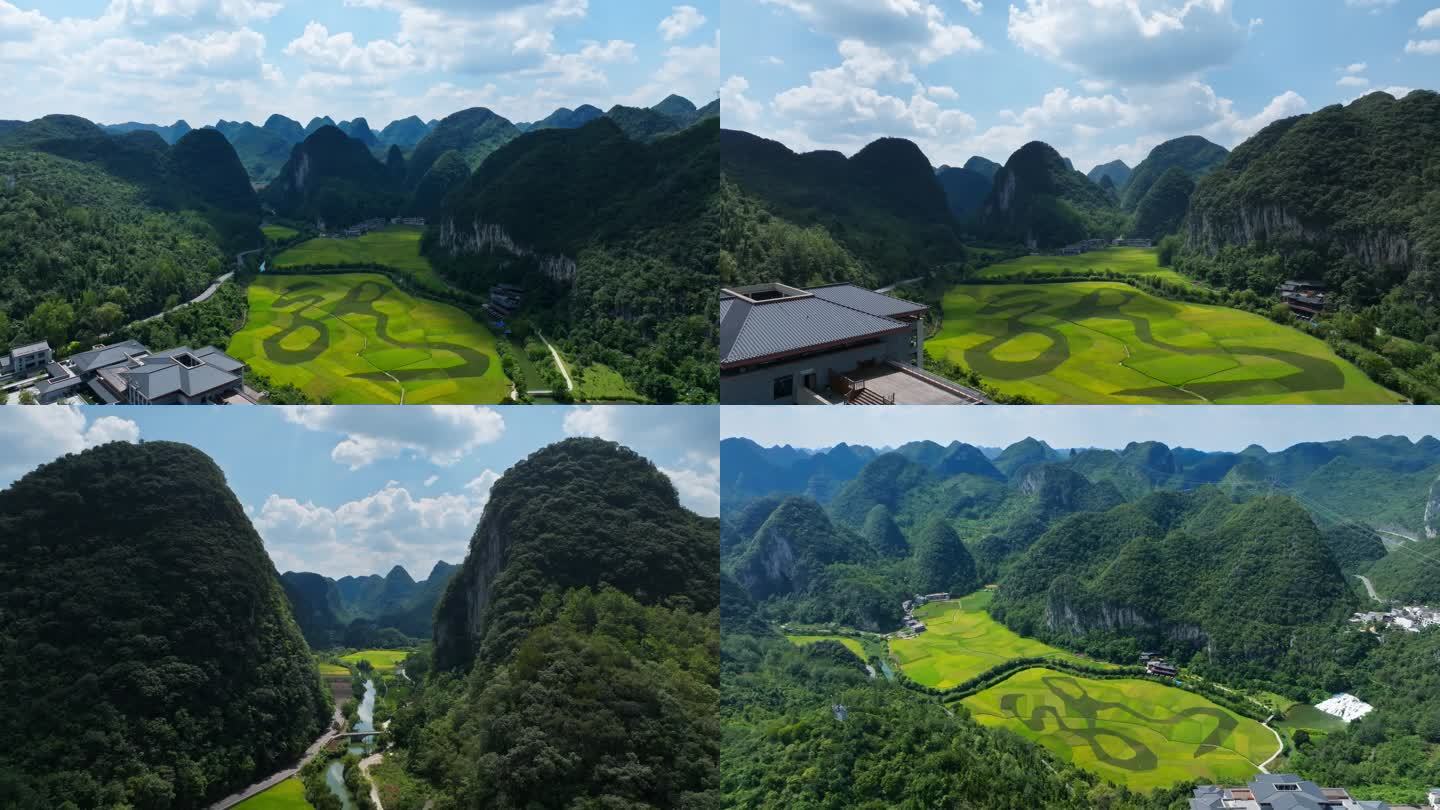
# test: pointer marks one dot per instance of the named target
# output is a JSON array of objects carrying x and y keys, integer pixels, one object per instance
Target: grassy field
[
  {"x": 278, "y": 233},
  {"x": 355, "y": 338},
  {"x": 1125, "y": 261},
  {"x": 288, "y": 795},
  {"x": 1138, "y": 733},
  {"x": 333, "y": 669},
  {"x": 961, "y": 641},
  {"x": 1109, "y": 343},
  {"x": 397, "y": 247},
  {"x": 600, "y": 382},
  {"x": 382, "y": 660},
  {"x": 1303, "y": 715},
  {"x": 850, "y": 644}
]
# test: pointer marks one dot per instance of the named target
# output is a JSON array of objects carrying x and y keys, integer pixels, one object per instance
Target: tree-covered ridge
[
  {"x": 1192, "y": 154},
  {"x": 1116, "y": 170},
  {"x": 151, "y": 654},
  {"x": 965, "y": 189},
  {"x": 613, "y": 241},
  {"x": 1037, "y": 199},
  {"x": 1163, "y": 208},
  {"x": 1346, "y": 196},
  {"x": 371, "y": 611},
  {"x": 82, "y": 251},
  {"x": 579, "y": 513},
  {"x": 475, "y": 133},
  {"x": 884, "y": 205},
  {"x": 335, "y": 178},
  {"x": 757, "y": 247},
  {"x": 577, "y": 649},
  {"x": 447, "y": 173}
]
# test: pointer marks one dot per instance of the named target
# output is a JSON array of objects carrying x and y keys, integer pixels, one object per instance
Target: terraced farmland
[
  {"x": 396, "y": 247},
  {"x": 1135, "y": 732},
  {"x": 850, "y": 644},
  {"x": 382, "y": 660},
  {"x": 356, "y": 338},
  {"x": 1124, "y": 261},
  {"x": 962, "y": 641},
  {"x": 1109, "y": 343}
]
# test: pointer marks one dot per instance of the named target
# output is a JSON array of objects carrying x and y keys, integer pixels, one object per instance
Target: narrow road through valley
[
  {"x": 1280, "y": 745},
  {"x": 569, "y": 383},
  {"x": 1369, "y": 588},
  {"x": 275, "y": 779}
]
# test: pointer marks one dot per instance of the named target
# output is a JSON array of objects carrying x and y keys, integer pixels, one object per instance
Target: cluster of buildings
[
  {"x": 1088, "y": 245},
  {"x": 1413, "y": 618},
  {"x": 1304, "y": 298},
  {"x": 1155, "y": 665},
  {"x": 505, "y": 299},
  {"x": 419, "y": 222},
  {"x": 837, "y": 344},
  {"x": 129, "y": 373},
  {"x": 913, "y": 625},
  {"x": 362, "y": 228},
  {"x": 1283, "y": 791}
]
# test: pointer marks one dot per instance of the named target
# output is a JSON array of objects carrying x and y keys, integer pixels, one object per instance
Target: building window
[{"x": 785, "y": 387}]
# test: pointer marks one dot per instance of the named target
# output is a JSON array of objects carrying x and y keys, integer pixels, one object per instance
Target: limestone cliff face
[
  {"x": 1065, "y": 616},
  {"x": 1432, "y": 511},
  {"x": 582, "y": 513},
  {"x": 1209, "y": 231},
  {"x": 772, "y": 567},
  {"x": 482, "y": 237}
]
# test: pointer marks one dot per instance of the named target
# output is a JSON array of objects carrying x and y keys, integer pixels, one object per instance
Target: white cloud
[
  {"x": 682, "y": 22},
  {"x": 36, "y": 434},
  {"x": 430, "y": 482},
  {"x": 339, "y": 54},
  {"x": 1430, "y": 19},
  {"x": 193, "y": 13},
  {"x": 1375, "y": 6},
  {"x": 1353, "y": 81},
  {"x": 374, "y": 532},
  {"x": 1137, "y": 41},
  {"x": 1357, "y": 67},
  {"x": 699, "y": 487},
  {"x": 918, "y": 29},
  {"x": 440, "y": 435},
  {"x": 942, "y": 91},
  {"x": 1426, "y": 47},
  {"x": 738, "y": 109},
  {"x": 690, "y": 71},
  {"x": 602, "y": 421}
]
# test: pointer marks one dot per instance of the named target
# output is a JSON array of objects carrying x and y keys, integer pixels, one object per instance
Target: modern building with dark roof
[
  {"x": 836, "y": 344},
  {"x": 23, "y": 360},
  {"x": 129, "y": 373},
  {"x": 1277, "y": 791}
]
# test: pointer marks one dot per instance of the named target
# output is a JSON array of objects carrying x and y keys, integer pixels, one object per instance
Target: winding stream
[{"x": 335, "y": 771}]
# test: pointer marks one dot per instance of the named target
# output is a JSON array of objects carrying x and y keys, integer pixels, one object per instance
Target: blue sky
[
  {"x": 1097, "y": 79},
  {"x": 156, "y": 61},
  {"x": 358, "y": 489},
  {"x": 1220, "y": 427}
]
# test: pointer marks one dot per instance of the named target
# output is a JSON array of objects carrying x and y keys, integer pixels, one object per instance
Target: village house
[
  {"x": 1158, "y": 666},
  {"x": 1304, "y": 298},
  {"x": 24, "y": 360},
  {"x": 838, "y": 344},
  {"x": 1279, "y": 792}
]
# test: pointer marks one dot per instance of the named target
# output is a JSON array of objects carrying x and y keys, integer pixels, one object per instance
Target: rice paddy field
[
  {"x": 288, "y": 795},
  {"x": 382, "y": 660},
  {"x": 961, "y": 641},
  {"x": 600, "y": 383},
  {"x": 1135, "y": 732},
  {"x": 356, "y": 338},
  {"x": 850, "y": 644},
  {"x": 278, "y": 233},
  {"x": 333, "y": 670},
  {"x": 1109, "y": 343},
  {"x": 1125, "y": 261},
  {"x": 396, "y": 247}
]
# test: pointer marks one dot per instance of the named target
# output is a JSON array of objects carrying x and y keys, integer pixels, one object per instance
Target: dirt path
[
  {"x": 887, "y": 288},
  {"x": 1369, "y": 588},
  {"x": 569, "y": 383},
  {"x": 1279, "y": 745},
  {"x": 365, "y": 765}
]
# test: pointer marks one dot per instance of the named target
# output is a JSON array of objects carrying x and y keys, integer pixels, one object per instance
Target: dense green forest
[
  {"x": 1163, "y": 207},
  {"x": 1192, "y": 155},
  {"x": 576, "y": 651},
  {"x": 613, "y": 241},
  {"x": 372, "y": 611},
  {"x": 82, "y": 252},
  {"x": 151, "y": 656},
  {"x": 475, "y": 133},
  {"x": 334, "y": 178},
  {"x": 1237, "y": 565},
  {"x": 1038, "y": 200},
  {"x": 884, "y": 205}
]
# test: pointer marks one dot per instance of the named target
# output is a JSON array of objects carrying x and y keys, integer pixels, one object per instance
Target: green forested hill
[
  {"x": 1116, "y": 170},
  {"x": 152, "y": 656},
  {"x": 475, "y": 133},
  {"x": 1164, "y": 206},
  {"x": 965, "y": 190},
  {"x": 82, "y": 252},
  {"x": 1349, "y": 196},
  {"x": 613, "y": 240},
  {"x": 577, "y": 646},
  {"x": 1037, "y": 199},
  {"x": 1191, "y": 154},
  {"x": 883, "y": 205},
  {"x": 334, "y": 177},
  {"x": 446, "y": 174}
]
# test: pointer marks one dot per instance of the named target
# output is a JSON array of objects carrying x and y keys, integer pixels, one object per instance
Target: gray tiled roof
[
  {"x": 107, "y": 355},
  {"x": 162, "y": 375},
  {"x": 33, "y": 348},
  {"x": 868, "y": 301},
  {"x": 751, "y": 331}
]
